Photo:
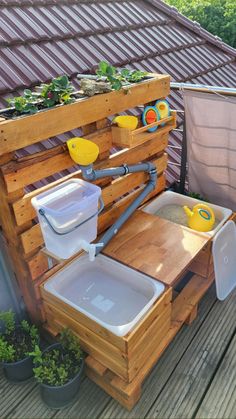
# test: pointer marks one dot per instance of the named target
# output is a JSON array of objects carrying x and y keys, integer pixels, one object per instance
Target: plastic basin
[
  {"x": 173, "y": 198},
  {"x": 108, "y": 292}
]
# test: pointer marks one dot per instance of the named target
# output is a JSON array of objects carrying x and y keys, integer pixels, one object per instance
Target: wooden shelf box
[{"x": 124, "y": 137}]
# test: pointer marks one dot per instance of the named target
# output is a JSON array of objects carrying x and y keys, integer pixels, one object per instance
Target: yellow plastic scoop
[
  {"x": 82, "y": 151},
  {"x": 126, "y": 121}
]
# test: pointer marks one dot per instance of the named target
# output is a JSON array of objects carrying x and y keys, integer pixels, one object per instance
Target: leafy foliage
[
  {"x": 118, "y": 78},
  {"x": 216, "y": 16},
  {"x": 58, "y": 91},
  {"x": 58, "y": 366},
  {"x": 196, "y": 195},
  {"x": 26, "y": 104},
  {"x": 17, "y": 340}
]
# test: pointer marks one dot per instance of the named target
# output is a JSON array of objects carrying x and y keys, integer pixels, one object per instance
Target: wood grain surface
[{"x": 156, "y": 246}]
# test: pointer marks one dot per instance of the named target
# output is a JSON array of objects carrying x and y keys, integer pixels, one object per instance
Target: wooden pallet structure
[
  {"x": 17, "y": 216},
  {"x": 146, "y": 243}
]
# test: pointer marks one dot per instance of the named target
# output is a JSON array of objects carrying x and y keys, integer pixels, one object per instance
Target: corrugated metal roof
[{"x": 42, "y": 39}]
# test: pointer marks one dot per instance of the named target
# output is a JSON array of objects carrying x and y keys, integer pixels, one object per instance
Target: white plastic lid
[
  {"x": 67, "y": 197},
  {"x": 224, "y": 252}
]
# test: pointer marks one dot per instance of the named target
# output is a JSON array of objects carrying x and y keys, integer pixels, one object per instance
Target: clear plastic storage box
[{"x": 68, "y": 215}]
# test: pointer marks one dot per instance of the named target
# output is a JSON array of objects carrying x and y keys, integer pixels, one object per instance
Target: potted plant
[
  {"x": 58, "y": 369},
  {"x": 16, "y": 341}
]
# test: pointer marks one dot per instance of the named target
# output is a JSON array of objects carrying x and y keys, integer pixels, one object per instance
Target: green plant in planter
[
  {"x": 17, "y": 340},
  {"x": 25, "y": 104},
  {"x": 56, "y": 367},
  {"x": 58, "y": 91},
  {"x": 196, "y": 195},
  {"x": 119, "y": 78}
]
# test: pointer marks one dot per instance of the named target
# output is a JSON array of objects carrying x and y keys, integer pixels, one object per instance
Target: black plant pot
[
  {"x": 18, "y": 371},
  {"x": 57, "y": 397}
]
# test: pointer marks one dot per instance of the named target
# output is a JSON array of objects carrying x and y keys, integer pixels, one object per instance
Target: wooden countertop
[{"x": 156, "y": 247}]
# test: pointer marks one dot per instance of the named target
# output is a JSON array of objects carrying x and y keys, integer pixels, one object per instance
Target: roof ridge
[{"x": 194, "y": 26}]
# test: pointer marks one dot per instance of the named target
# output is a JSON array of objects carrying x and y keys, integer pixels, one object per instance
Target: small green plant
[
  {"x": 17, "y": 340},
  {"x": 25, "y": 104},
  {"x": 196, "y": 195},
  {"x": 59, "y": 90},
  {"x": 119, "y": 78},
  {"x": 58, "y": 366},
  {"x": 56, "y": 92}
]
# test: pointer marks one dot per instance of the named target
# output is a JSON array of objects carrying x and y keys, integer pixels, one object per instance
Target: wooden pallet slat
[
  {"x": 23, "y": 209},
  {"x": 23, "y": 173}
]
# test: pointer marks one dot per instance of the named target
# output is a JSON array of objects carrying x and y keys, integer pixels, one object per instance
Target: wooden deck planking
[
  {"x": 164, "y": 368},
  {"x": 12, "y": 394},
  {"x": 189, "y": 382},
  {"x": 220, "y": 400},
  {"x": 194, "y": 378}
]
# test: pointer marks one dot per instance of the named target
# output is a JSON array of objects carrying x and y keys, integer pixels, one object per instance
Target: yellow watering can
[{"x": 201, "y": 218}]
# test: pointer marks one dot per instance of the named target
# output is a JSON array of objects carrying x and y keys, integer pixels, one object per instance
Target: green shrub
[
  {"x": 17, "y": 340},
  {"x": 58, "y": 366}
]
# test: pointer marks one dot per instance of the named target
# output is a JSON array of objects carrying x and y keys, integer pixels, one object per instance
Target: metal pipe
[{"x": 202, "y": 87}]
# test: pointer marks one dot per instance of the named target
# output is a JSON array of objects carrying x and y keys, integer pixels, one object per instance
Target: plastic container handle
[{"x": 42, "y": 213}]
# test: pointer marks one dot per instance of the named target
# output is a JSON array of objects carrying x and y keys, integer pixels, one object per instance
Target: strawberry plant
[
  {"x": 25, "y": 104},
  {"x": 119, "y": 78},
  {"x": 58, "y": 91}
]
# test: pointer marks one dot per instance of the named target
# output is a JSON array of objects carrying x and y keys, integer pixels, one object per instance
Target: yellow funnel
[{"x": 82, "y": 151}]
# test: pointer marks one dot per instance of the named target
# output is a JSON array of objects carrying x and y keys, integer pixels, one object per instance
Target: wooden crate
[
  {"x": 123, "y": 355},
  {"x": 124, "y": 137},
  {"x": 184, "y": 310}
]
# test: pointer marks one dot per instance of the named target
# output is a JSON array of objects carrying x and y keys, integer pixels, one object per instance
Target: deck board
[
  {"x": 194, "y": 378},
  {"x": 12, "y": 394},
  {"x": 189, "y": 382},
  {"x": 220, "y": 400},
  {"x": 164, "y": 368}
]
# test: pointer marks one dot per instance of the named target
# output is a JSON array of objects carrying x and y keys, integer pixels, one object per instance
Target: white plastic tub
[
  {"x": 169, "y": 197},
  {"x": 65, "y": 207},
  {"x": 111, "y": 294}
]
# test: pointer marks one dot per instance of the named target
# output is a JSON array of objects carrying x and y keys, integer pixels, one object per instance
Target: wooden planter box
[
  {"x": 123, "y": 137},
  {"x": 124, "y": 355},
  {"x": 23, "y": 131}
]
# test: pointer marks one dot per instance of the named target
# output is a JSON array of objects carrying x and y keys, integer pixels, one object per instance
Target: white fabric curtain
[{"x": 211, "y": 146}]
